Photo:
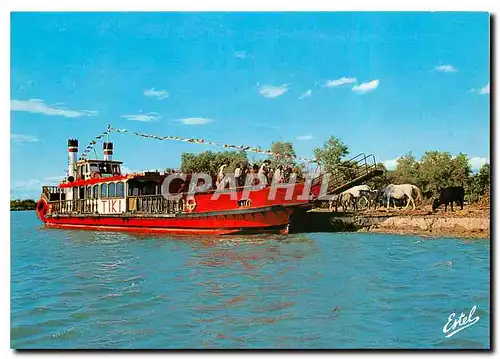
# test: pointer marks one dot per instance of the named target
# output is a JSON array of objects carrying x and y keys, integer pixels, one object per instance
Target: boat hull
[{"x": 273, "y": 219}]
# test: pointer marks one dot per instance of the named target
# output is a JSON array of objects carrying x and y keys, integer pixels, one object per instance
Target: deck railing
[
  {"x": 150, "y": 204},
  {"x": 74, "y": 206},
  {"x": 156, "y": 204}
]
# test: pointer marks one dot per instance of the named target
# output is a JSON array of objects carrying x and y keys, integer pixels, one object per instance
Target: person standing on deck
[
  {"x": 220, "y": 175},
  {"x": 264, "y": 170},
  {"x": 254, "y": 171},
  {"x": 278, "y": 175},
  {"x": 238, "y": 176}
]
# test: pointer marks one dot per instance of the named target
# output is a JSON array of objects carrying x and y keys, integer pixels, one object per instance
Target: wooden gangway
[{"x": 350, "y": 173}]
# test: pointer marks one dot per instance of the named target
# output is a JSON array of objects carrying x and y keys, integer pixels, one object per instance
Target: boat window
[
  {"x": 94, "y": 167},
  {"x": 120, "y": 186},
  {"x": 89, "y": 192},
  {"x": 111, "y": 190},
  {"x": 116, "y": 169},
  {"x": 95, "y": 191},
  {"x": 105, "y": 168},
  {"x": 104, "y": 190}
]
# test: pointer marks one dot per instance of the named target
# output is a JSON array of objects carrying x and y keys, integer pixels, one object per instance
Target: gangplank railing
[{"x": 350, "y": 173}]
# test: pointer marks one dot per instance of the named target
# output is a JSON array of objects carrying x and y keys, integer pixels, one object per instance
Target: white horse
[
  {"x": 354, "y": 195},
  {"x": 349, "y": 197},
  {"x": 355, "y": 190},
  {"x": 399, "y": 191}
]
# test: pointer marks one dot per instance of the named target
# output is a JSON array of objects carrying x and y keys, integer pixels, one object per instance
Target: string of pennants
[
  {"x": 92, "y": 143},
  {"x": 110, "y": 129},
  {"x": 204, "y": 142}
]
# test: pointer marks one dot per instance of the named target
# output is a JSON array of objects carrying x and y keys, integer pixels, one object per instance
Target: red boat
[{"x": 96, "y": 195}]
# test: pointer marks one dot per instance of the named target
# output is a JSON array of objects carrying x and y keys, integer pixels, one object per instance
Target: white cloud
[
  {"x": 305, "y": 137},
  {"x": 445, "y": 68},
  {"x": 126, "y": 170},
  {"x": 483, "y": 90},
  {"x": 195, "y": 121},
  {"x": 38, "y": 106},
  {"x": 34, "y": 183},
  {"x": 18, "y": 138},
  {"x": 366, "y": 86},
  {"x": 31, "y": 188},
  {"x": 305, "y": 94},
  {"x": 272, "y": 91},
  {"x": 477, "y": 162},
  {"x": 143, "y": 117},
  {"x": 241, "y": 55},
  {"x": 53, "y": 179},
  {"x": 391, "y": 164},
  {"x": 340, "y": 82},
  {"x": 159, "y": 94},
  {"x": 28, "y": 184}
]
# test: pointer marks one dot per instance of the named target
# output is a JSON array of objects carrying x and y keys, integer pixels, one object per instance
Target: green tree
[
  {"x": 379, "y": 182},
  {"x": 479, "y": 184},
  {"x": 22, "y": 204},
  {"x": 406, "y": 171},
  {"x": 331, "y": 154},
  {"x": 435, "y": 171},
  {"x": 460, "y": 171},
  {"x": 284, "y": 148},
  {"x": 209, "y": 162}
]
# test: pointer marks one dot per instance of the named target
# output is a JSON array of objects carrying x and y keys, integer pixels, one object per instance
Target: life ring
[
  {"x": 96, "y": 174},
  {"x": 190, "y": 204}
]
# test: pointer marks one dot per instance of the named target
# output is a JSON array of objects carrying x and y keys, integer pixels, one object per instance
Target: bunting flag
[
  {"x": 204, "y": 142},
  {"x": 92, "y": 143}
]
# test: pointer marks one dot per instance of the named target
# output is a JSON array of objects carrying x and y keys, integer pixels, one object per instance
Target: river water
[{"x": 84, "y": 289}]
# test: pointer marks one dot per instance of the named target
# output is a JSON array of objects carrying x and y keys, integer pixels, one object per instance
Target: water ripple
[{"x": 83, "y": 289}]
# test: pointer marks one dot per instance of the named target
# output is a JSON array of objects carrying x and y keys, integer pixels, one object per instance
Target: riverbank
[
  {"x": 467, "y": 223},
  {"x": 22, "y": 205}
]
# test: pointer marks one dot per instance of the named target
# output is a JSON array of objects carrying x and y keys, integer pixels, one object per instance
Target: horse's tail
[{"x": 419, "y": 192}]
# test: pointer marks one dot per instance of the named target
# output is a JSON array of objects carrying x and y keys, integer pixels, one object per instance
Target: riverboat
[{"x": 96, "y": 195}]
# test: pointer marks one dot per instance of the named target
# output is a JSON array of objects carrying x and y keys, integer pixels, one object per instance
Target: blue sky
[{"x": 385, "y": 83}]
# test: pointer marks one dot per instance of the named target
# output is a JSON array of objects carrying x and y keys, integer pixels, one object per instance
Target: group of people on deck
[{"x": 280, "y": 174}]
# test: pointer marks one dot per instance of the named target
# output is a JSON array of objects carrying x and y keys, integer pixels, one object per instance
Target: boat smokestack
[
  {"x": 108, "y": 151},
  {"x": 72, "y": 158}
]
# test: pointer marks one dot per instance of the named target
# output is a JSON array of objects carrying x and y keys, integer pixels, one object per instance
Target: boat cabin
[{"x": 87, "y": 169}]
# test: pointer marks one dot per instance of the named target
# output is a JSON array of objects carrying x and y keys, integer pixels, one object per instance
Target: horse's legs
[
  {"x": 410, "y": 199},
  {"x": 462, "y": 203},
  {"x": 445, "y": 206},
  {"x": 412, "y": 202},
  {"x": 451, "y": 205}
]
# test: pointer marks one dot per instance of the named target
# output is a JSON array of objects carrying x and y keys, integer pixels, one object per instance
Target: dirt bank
[{"x": 467, "y": 223}]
